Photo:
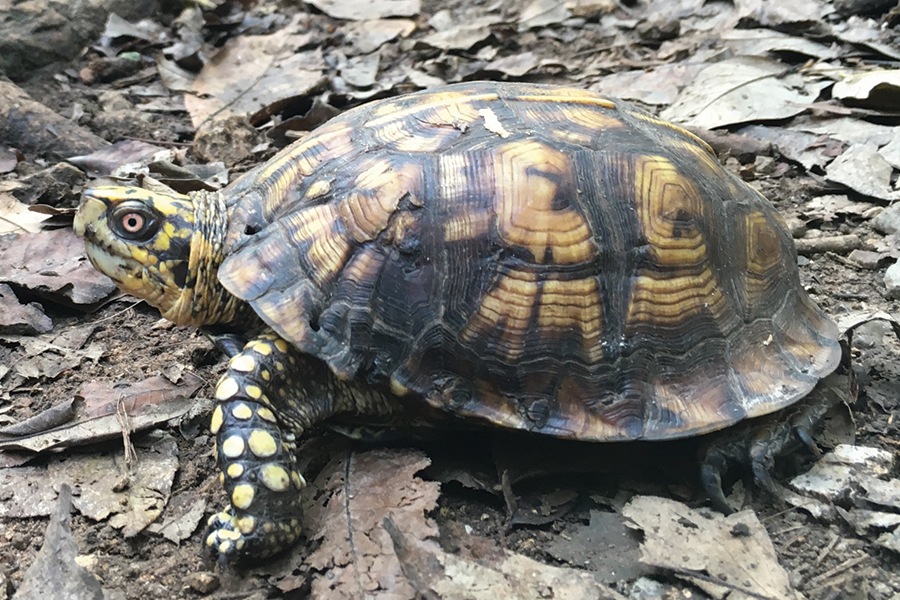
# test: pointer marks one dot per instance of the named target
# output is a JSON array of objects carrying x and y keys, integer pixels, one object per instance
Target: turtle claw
[{"x": 805, "y": 436}]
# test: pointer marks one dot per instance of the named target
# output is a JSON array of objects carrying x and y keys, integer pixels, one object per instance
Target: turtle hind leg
[
  {"x": 759, "y": 442},
  {"x": 270, "y": 395}
]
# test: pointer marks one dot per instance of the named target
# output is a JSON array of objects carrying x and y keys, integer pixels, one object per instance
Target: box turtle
[{"x": 534, "y": 257}]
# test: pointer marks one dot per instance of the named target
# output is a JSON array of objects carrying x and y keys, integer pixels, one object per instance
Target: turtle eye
[{"x": 136, "y": 224}]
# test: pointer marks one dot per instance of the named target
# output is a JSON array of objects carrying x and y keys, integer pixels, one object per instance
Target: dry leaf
[
  {"x": 53, "y": 263},
  {"x": 134, "y": 500},
  {"x": 21, "y": 319},
  {"x": 735, "y": 550},
  {"x": 356, "y": 554},
  {"x": 659, "y": 85},
  {"x": 862, "y": 169},
  {"x": 147, "y": 403},
  {"x": 495, "y": 574},
  {"x": 874, "y": 89},
  {"x": 740, "y": 90},
  {"x": 356, "y": 10},
  {"x": 253, "y": 75},
  {"x": 16, "y": 218}
]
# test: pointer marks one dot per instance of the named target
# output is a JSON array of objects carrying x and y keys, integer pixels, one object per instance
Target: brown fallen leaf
[
  {"x": 146, "y": 403},
  {"x": 356, "y": 557},
  {"x": 53, "y": 264},
  {"x": 493, "y": 574},
  {"x": 106, "y": 160},
  {"x": 368, "y": 9},
  {"x": 21, "y": 319},
  {"x": 16, "y": 218},
  {"x": 54, "y": 572},
  {"x": 255, "y": 76},
  {"x": 722, "y": 555},
  {"x": 133, "y": 499}
]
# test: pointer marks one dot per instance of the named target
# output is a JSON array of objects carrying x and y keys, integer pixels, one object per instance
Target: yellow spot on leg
[
  {"x": 281, "y": 345},
  {"x": 263, "y": 348},
  {"x": 227, "y": 388},
  {"x": 242, "y": 496},
  {"x": 266, "y": 414},
  {"x": 233, "y": 446},
  {"x": 243, "y": 362},
  {"x": 246, "y": 525},
  {"x": 262, "y": 443},
  {"x": 242, "y": 411},
  {"x": 298, "y": 480},
  {"x": 216, "y": 423},
  {"x": 274, "y": 477},
  {"x": 253, "y": 391},
  {"x": 235, "y": 470}
]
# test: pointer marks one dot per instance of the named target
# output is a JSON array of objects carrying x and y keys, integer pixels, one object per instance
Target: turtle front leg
[{"x": 270, "y": 395}]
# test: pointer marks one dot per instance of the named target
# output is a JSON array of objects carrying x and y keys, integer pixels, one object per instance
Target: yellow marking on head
[
  {"x": 216, "y": 422},
  {"x": 262, "y": 443},
  {"x": 227, "y": 388},
  {"x": 229, "y": 534},
  {"x": 265, "y": 375},
  {"x": 281, "y": 345},
  {"x": 235, "y": 470},
  {"x": 274, "y": 477},
  {"x": 233, "y": 446},
  {"x": 266, "y": 415},
  {"x": 243, "y": 362},
  {"x": 253, "y": 391},
  {"x": 241, "y": 411},
  {"x": 242, "y": 496}
]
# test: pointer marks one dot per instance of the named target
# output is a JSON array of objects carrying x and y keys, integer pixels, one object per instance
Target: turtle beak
[{"x": 91, "y": 210}]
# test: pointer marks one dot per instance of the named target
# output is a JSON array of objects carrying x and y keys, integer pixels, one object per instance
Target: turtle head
[{"x": 163, "y": 248}]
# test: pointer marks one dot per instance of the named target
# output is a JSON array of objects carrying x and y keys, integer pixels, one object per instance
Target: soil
[{"x": 825, "y": 560}]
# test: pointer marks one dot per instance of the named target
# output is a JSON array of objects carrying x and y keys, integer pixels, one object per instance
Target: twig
[
  {"x": 157, "y": 142},
  {"x": 714, "y": 580}
]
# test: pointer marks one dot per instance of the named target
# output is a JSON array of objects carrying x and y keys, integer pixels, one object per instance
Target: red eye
[{"x": 132, "y": 222}]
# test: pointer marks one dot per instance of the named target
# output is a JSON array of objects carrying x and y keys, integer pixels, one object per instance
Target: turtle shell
[{"x": 543, "y": 258}]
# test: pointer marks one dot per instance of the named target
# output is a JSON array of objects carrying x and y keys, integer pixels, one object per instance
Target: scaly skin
[{"x": 166, "y": 249}]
